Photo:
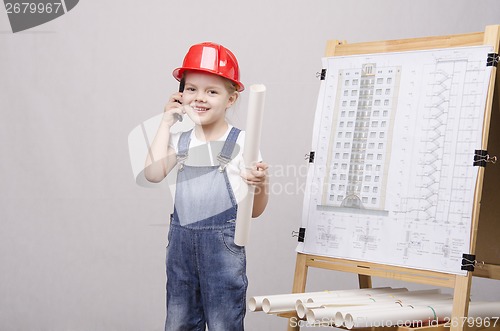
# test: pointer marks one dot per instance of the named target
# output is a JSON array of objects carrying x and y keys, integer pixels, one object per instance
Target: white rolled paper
[
  {"x": 366, "y": 292},
  {"x": 312, "y": 296},
  {"x": 303, "y": 308},
  {"x": 327, "y": 314},
  {"x": 281, "y": 303},
  {"x": 391, "y": 317},
  {"x": 250, "y": 157},
  {"x": 255, "y": 303},
  {"x": 347, "y": 298},
  {"x": 288, "y": 302},
  {"x": 341, "y": 302},
  {"x": 343, "y": 311},
  {"x": 420, "y": 314},
  {"x": 336, "y": 309}
]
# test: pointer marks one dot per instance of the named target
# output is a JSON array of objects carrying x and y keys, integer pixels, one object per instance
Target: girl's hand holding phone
[{"x": 173, "y": 110}]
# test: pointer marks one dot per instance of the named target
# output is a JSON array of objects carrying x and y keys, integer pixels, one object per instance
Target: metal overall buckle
[{"x": 223, "y": 161}]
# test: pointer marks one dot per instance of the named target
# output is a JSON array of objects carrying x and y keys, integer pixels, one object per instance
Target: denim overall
[{"x": 206, "y": 270}]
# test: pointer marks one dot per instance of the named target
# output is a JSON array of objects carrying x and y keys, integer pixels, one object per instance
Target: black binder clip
[
  {"x": 310, "y": 157},
  {"x": 321, "y": 75},
  {"x": 481, "y": 158},
  {"x": 300, "y": 235},
  {"x": 468, "y": 262},
  {"x": 492, "y": 60}
]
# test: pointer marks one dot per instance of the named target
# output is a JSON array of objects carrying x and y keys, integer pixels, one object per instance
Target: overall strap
[
  {"x": 225, "y": 155},
  {"x": 183, "y": 148}
]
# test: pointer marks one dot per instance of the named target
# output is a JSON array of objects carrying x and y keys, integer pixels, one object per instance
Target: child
[{"x": 206, "y": 270}]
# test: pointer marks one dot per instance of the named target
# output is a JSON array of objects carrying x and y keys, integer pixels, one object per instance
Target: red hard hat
[{"x": 212, "y": 58}]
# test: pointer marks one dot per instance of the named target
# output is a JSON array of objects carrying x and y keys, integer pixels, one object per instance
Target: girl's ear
[{"x": 232, "y": 98}]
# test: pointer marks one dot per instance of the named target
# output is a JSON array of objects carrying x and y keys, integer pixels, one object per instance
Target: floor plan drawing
[{"x": 394, "y": 138}]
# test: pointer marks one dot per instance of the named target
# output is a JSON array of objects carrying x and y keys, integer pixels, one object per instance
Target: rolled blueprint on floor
[
  {"x": 343, "y": 311},
  {"x": 250, "y": 157},
  {"x": 419, "y": 315},
  {"x": 303, "y": 307},
  {"x": 393, "y": 317},
  {"x": 255, "y": 303},
  {"x": 337, "y": 303},
  {"x": 328, "y": 314},
  {"x": 366, "y": 292},
  {"x": 337, "y": 311},
  {"x": 285, "y": 302},
  {"x": 375, "y": 296},
  {"x": 288, "y": 302}
]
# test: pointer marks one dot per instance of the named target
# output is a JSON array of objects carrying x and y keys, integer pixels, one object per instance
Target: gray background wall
[{"x": 81, "y": 245}]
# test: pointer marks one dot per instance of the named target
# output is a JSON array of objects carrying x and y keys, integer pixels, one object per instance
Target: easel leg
[
  {"x": 461, "y": 296},
  {"x": 299, "y": 286}
]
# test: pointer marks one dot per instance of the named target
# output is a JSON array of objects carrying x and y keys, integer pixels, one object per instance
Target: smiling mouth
[{"x": 200, "y": 109}]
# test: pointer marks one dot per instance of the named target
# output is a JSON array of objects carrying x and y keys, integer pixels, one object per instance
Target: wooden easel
[{"x": 484, "y": 241}]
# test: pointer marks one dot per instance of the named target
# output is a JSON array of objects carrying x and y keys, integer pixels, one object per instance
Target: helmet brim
[{"x": 179, "y": 72}]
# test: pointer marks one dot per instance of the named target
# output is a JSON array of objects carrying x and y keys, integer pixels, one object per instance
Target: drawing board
[{"x": 392, "y": 180}]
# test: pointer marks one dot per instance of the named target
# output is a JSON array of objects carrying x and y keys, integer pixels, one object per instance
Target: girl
[{"x": 206, "y": 271}]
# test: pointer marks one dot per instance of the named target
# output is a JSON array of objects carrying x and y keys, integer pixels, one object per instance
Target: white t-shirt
[{"x": 204, "y": 153}]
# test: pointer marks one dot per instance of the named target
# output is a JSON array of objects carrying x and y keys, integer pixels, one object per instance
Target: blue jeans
[{"x": 206, "y": 279}]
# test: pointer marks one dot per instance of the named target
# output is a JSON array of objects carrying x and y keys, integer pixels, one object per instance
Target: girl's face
[{"x": 206, "y": 98}]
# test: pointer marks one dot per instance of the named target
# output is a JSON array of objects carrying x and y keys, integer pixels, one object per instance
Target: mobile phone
[{"x": 181, "y": 89}]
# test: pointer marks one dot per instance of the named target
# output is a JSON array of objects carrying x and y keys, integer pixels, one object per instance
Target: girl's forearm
[{"x": 159, "y": 159}]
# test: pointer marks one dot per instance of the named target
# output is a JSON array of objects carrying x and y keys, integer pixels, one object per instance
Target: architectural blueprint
[{"x": 394, "y": 137}]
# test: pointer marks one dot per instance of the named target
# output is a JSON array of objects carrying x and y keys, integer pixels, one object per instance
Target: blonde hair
[{"x": 232, "y": 88}]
